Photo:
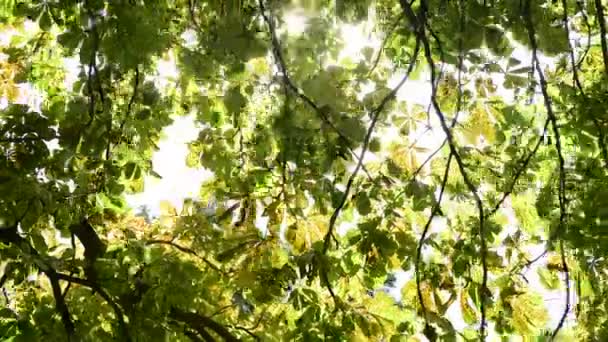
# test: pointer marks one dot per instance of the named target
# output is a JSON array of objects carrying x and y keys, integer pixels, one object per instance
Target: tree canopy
[{"x": 322, "y": 194}]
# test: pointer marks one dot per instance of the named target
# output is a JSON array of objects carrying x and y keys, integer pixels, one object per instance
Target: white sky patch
[
  {"x": 190, "y": 38},
  {"x": 30, "y": 96},
  {"x": 413, "y": 91},
  {"x": 167, "y": 72},
  {"x": 30, "y": 27},
  {"x": 356, "y": 38},
  {"x": 7, "y": 35},
  {"x": 296, "y": 22},
  {"x": 178, "y": 181},
  {"x": 261, "y": 221},
  {"x": 72, "y": 70}
]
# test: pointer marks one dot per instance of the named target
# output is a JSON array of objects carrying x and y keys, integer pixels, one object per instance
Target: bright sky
[{"x": 180, "y": 182}]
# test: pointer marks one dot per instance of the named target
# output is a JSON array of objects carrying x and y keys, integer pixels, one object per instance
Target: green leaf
[
  {"x": 45, "y": 21},
  {"x": 549, "y": 279},
  {"x": 129, "y": 169},
  {"x": 364, "y": 205},
  {"x": 143, "y": 114},
  {"x": 234, "y": 100},
  {"x": 279, "y": 257}
]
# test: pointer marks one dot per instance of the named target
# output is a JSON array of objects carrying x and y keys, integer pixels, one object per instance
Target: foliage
[{"x": 287, "y": 129}]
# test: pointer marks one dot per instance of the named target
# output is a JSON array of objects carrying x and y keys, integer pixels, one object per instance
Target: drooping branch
[
  {"x": 278, "y": 55},
  {"x": 280, "y": 60},
  {"x": 578, "y": 85},
  {"x": 582, "y": 11},
  {"x": 418, "y": 24},
  {"x": 599, "y": 9},
  {"x": 520, "y": 171},
  {"x": 389, "y": 34},
  {"x": 201, "y": 323},
  {"x": 131, "y": 100},
  {"x": 558, "y": 146},
  {"x": 10, "y": 236},
  {"x": 437, "y": 207},
  {"x": 375, "y": 116},
  {"x": 434, "y": 212},
  {"x": 92, "y": 66}
]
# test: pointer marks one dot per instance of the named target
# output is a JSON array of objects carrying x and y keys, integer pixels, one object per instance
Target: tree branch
[
  {"x": 602, "y": 23},
  {"x": 384, "y": 41},
  {"x": 278, "y": 55},
  {"x": 98, "y": 289},
  {"x": 518, "y": 173},
  {"x": 200, "y": 323},
  {"x": 418, "y": 23},
  {"x": 558, "y": 146},
  {"x": 375, "y": 116},
  {"x": 10, "y": 236},
  {"x": 578, "y": 85}
]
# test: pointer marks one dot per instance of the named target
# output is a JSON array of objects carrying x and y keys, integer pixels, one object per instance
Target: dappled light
[{"x": 303, "y": 170}]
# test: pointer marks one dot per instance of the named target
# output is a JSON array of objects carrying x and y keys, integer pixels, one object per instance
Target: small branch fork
[
  {"x": 576, "y": 79},
  {"x": 418, "y": 23},
  {"x": 10, "y": 236},
  {"x": 562, "y": 173},
  {"x": 437, "y": 208},
  {"x": 288, "y": 82}
]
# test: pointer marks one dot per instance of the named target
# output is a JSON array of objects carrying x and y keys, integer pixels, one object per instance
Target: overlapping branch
[
  {"x": 418, "y": 23},
  {"x": 383, "y": 45},
  {"x": 10, "y": 236},
  {"x": 425, "y": 231},
  {"x": 558, "y": 146},
  {"x": 375, "y": 116},
  {"x": 578, "y": 85},
  {"x": 524, "y": 166},
  {"x": 131, "y": 100},
  {"x": 201, "y": 324},
  {"x": 437, "y": 208},
  {"x": 599, "y": 9},
  {"x": 288, "y": 82}
]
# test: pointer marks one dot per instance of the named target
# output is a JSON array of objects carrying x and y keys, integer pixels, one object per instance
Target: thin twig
[
  {"x": 384, "y": 41},
  {"x": 436, "y": 209},
  {"x": 582, "y": 10},
  {"x": 185, "y": 250},
  {"x": 425, "y": 230},
  {"x": 132, "y": 100},
  {"x": 519, "y": 173},
  {"x": 375, "y": 116}
]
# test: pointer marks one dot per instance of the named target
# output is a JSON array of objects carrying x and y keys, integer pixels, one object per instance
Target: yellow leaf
[
  {"x": 468, "y": 312},
  {"x": 167, "y": 221},
  {"x": 529, "y": 313},
  {"x": 279, "y": 257},
  {"x": 167, "y": 209},
  {"x": 479, "y": 124}
]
